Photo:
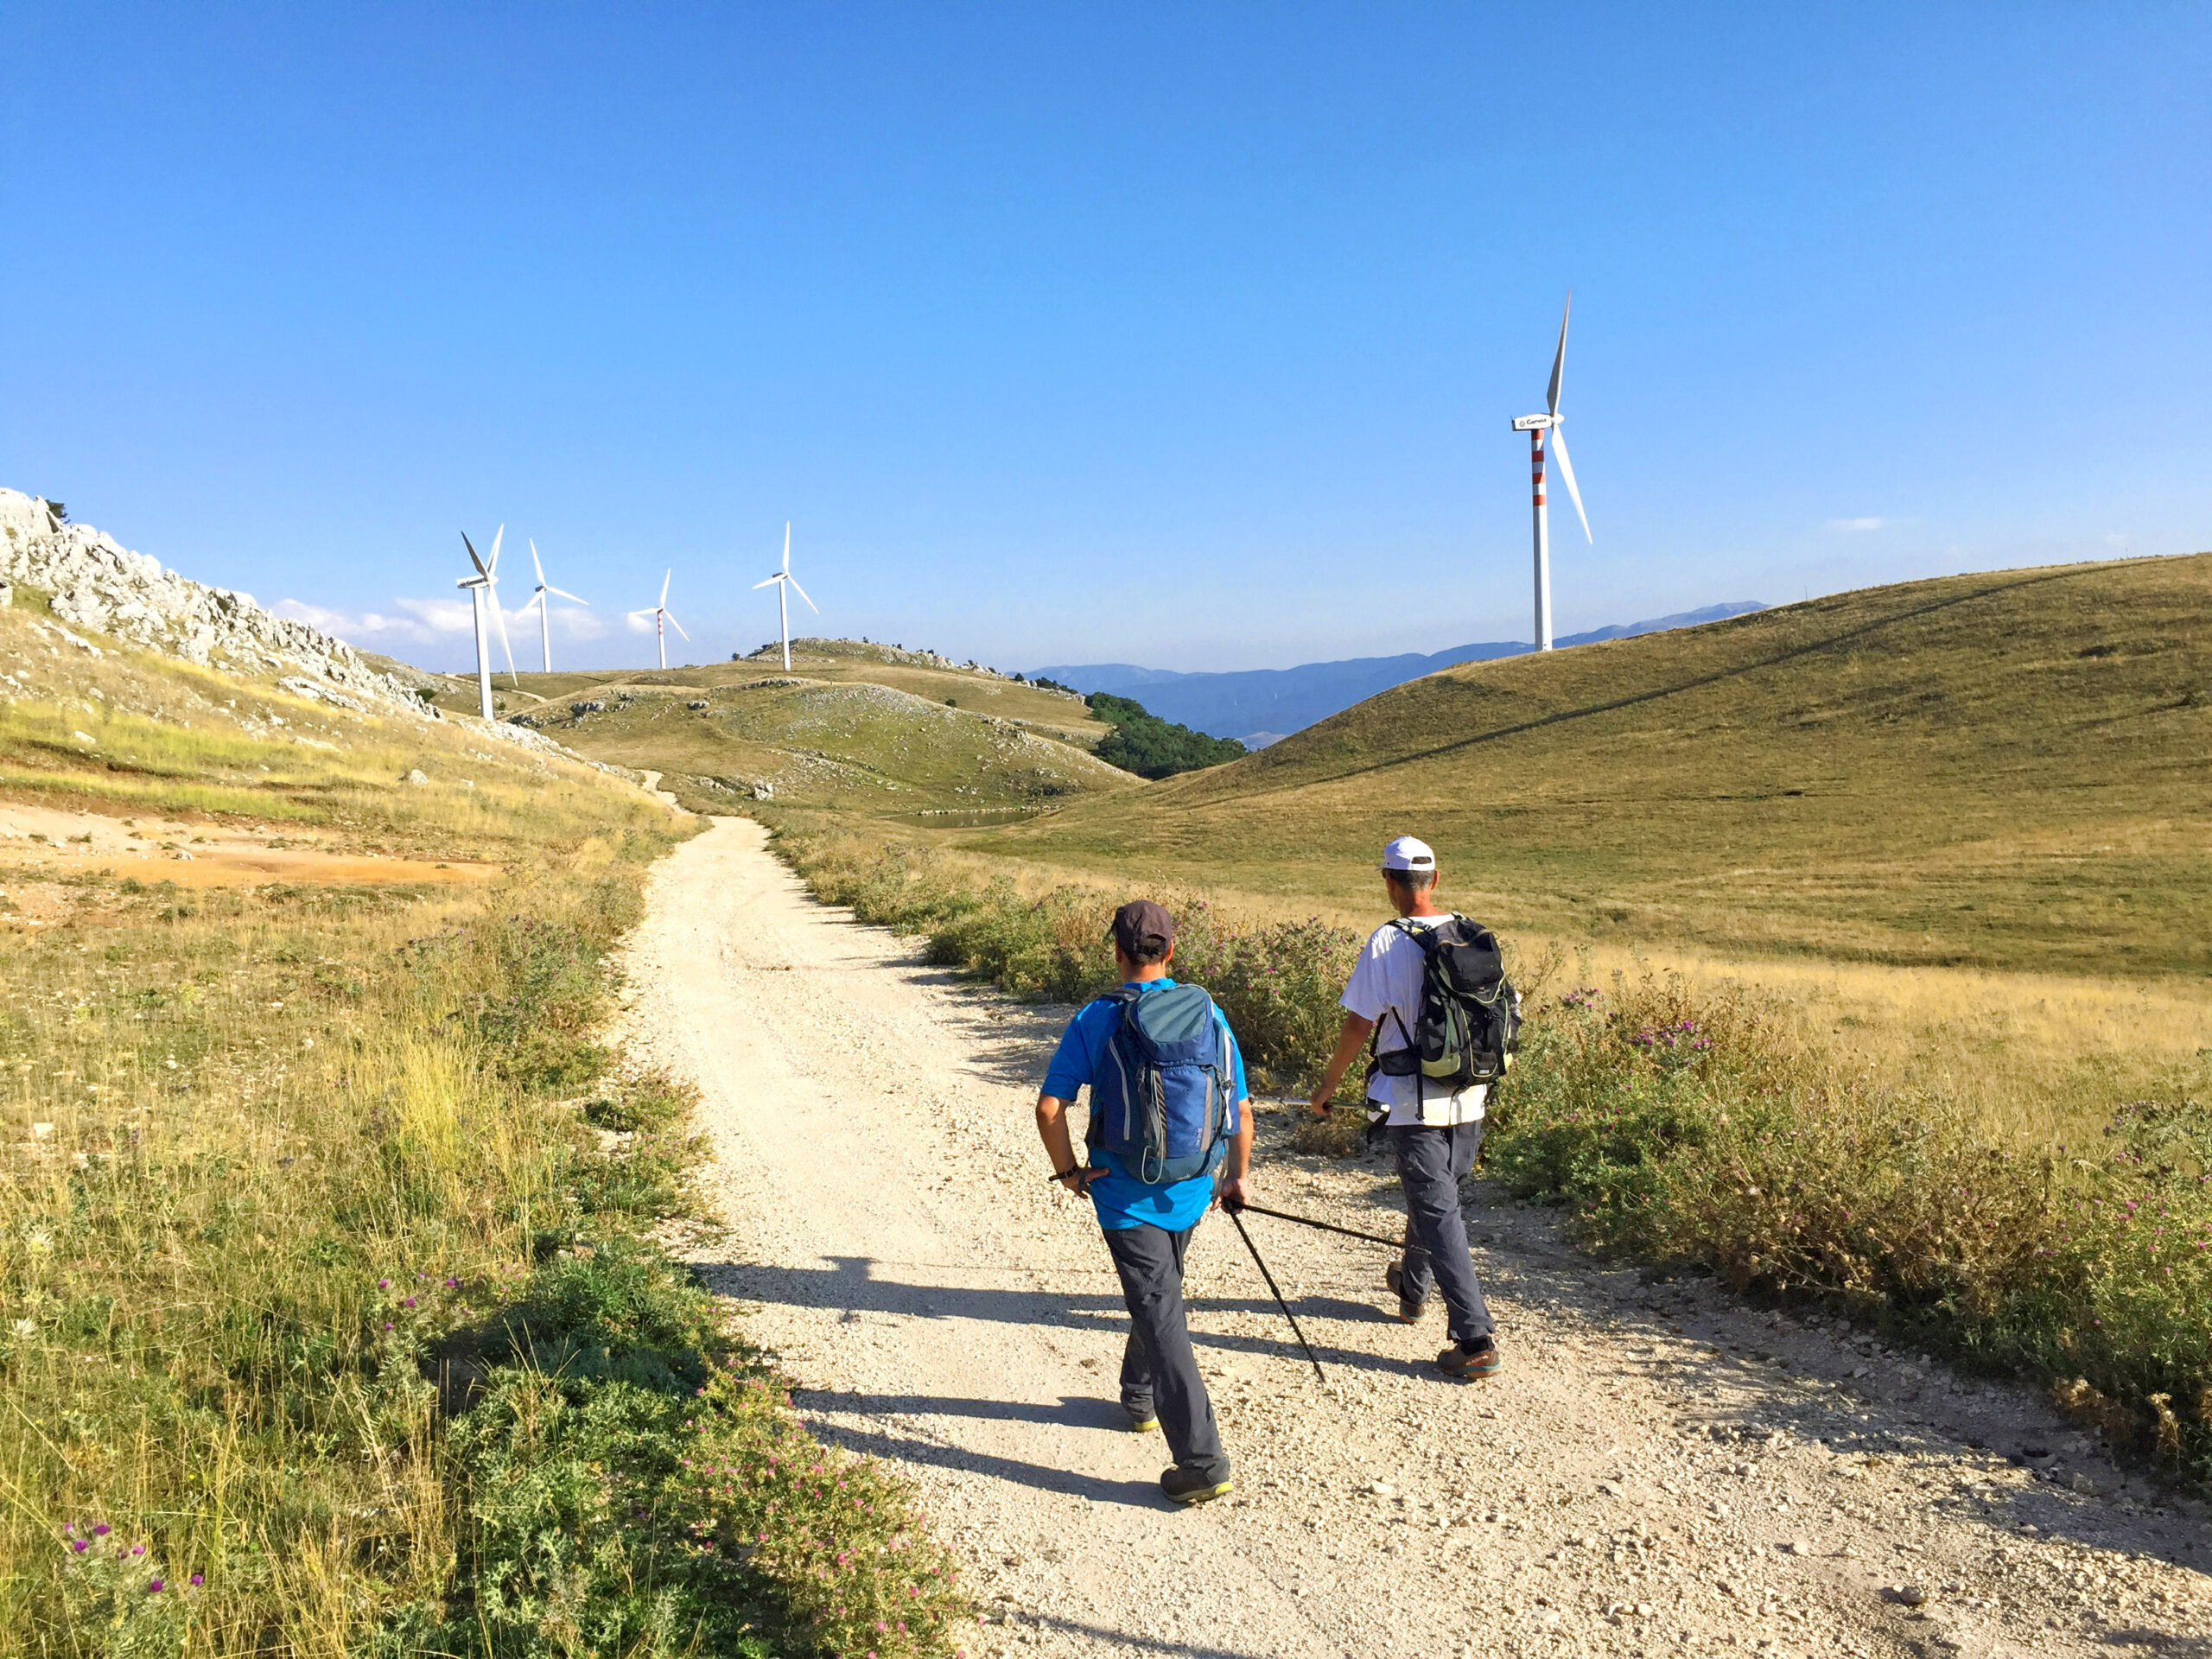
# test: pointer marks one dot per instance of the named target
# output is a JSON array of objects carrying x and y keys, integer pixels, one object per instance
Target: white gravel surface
[{"x": 1659, "y": 1468}]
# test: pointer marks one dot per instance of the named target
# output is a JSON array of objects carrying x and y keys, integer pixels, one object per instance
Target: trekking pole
[
  {"x": 1408, "y": 1246},
  {"x": 1280, "y": 1303}
]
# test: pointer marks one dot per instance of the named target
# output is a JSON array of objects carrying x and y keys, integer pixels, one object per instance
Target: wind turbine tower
[
  {"x": 784, "y": 583},
  {"x": 482, "y": 586},
  {"x": 664, "y": 619},
  {"x": 1535, "y": 426},
  {"x": 545, "y": 605}
]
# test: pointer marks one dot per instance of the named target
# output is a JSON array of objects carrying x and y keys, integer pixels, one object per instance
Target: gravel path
[{"x": 1659, "y": 1468}]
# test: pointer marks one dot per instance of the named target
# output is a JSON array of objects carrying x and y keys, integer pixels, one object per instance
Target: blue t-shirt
[{"x": 1123, "y": 1199}]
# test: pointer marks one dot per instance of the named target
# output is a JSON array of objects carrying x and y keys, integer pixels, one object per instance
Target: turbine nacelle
[{"x": 1534, "y": 422}]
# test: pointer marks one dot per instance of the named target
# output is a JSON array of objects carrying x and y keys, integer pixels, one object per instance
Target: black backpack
[{"x": 1469, "y": 1025}]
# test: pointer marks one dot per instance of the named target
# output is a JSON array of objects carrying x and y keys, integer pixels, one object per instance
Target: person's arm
[
  {"x": 1237, "y": 1186},
  {"x": 1350, "y": 1041},
  {"x": 1236, "y": 1190},
  {"x": 1052, "y": 1130}
]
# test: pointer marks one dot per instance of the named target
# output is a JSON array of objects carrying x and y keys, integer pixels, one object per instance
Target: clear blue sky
[{"x": 1185, "y": 336}]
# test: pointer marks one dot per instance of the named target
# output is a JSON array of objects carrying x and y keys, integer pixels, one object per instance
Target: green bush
[
  {"x": 1151, "y": 747},
  {"x": 1710, "y": 1131},
  {"x": 635, "y": 1485}
]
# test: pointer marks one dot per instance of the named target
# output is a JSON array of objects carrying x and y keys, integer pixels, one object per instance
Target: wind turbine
[
  {"x": 484, "y": 584},
  {"x": 538, "y": 599},
  {"x": 784, "y": 583},
  {"x": 1535, "y": 426},
  {"x": 660, "y": 614}
]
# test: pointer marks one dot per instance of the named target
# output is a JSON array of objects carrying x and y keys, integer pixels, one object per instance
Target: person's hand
[
  {"x": 1079, "y": 1181},
  {"x": 1235, "y": 1192},
  {"x": 1319, "y": 1103}
]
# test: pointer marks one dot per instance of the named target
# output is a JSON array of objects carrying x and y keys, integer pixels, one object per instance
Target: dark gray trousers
[
  {"x": 1432, "y": 1162},
  {"x": 1158, "y": 1368}
]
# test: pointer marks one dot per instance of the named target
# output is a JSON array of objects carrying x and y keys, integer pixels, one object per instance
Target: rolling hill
[
  {"x": 2010, "y": 770},
  {"x": 1264, "y": 703},
  {"x": 852, "y": 728}
]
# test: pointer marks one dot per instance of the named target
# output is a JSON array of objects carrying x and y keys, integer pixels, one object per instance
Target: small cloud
[
  {"x": 1856, "y": 524},
  {"x": 425, "y": 621}
]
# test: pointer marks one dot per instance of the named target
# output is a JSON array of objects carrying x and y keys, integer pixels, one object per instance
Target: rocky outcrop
[{"x": 105, "y": 587}]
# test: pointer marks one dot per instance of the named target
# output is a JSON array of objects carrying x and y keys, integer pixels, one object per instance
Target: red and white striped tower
[
  {"x": 1535, "y": 426},
  {"x": 1543, "y": 540}
]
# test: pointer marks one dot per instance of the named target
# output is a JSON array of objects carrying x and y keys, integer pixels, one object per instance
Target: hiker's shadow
[
  {"x": 827, "y": 1415},
  {"x": 853, "y": 1287}
]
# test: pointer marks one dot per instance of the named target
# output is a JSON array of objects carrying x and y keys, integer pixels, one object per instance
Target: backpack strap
[{"x": 1094, "y": 1132}]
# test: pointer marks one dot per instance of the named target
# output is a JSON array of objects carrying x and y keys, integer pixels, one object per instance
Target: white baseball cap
[{"x": 1407, "y": 852}]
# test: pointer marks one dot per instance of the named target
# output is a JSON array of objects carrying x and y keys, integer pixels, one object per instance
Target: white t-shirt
[{"x": 1386, "y": 988}]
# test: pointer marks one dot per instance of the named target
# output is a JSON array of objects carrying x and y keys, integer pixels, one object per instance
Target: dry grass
[
  {"x": 327, "y": 1325},
  {"x": 841, "y": 746},
  {"x": 2000, "y": 771},
  {"x": 836, "y": 662},
  {"x": 2035, "y": 1059}
]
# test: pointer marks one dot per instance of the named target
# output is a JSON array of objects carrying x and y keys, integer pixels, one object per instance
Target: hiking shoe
[
  {"x": 1469, "y": 1360},
  {"x": 1190, "y": 1486},
  {"x": 1142, "y": 1419},
  {"x": 1409, "y": 1307}
]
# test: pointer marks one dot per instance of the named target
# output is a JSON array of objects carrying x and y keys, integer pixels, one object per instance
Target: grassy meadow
[
  {"x": 844, "y": 733},
  {"x": 2003, "y": 771},
  {"x": 331, "y": 1318}
]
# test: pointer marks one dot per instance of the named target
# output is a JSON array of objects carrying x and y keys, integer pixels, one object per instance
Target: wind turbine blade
[
  {"x": 801, "y": 592},
  {"x": 498, "y": 536},
  {"x": 678, "y": 625},
  {"x": 472, "y": 559},
  {"x": 771, "y": 583},
  {"x": 537, "y": 598},
  {"x": 1566, "y": 475},
  {"x": 565, "y": 594},
  {"x": 534, "y": 564},
  {"x": 1559, "y": 358},
  {"x": 499, "y": 622},
  {"x": 787, "y": 544},
  {"x": 664, "y": 584}
]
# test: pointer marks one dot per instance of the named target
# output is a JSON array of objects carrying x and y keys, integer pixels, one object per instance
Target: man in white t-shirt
[{"x": 1435, "y": 1130}]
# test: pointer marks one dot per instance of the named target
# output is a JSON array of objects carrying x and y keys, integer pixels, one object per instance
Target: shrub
[{"x": 1151, "y": 747}]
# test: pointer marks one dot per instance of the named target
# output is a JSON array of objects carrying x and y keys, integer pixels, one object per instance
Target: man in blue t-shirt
[{"x": 1148, "y": 1225}]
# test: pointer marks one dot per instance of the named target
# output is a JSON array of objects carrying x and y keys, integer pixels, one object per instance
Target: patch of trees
[{"x": 1151, "y": 747}]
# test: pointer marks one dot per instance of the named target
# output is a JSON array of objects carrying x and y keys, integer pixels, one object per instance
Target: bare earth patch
[
  {"x": 1659, "y": 1469},
  {"x": 54, "y": 842}
]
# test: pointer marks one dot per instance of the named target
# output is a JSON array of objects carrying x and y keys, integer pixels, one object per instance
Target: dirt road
[{"x": 1658, "y": 1468}]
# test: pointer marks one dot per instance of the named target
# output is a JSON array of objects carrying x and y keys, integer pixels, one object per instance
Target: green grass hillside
[
  {"x": 849, "y": 729},
  {"x": 841, "y": 662},
  {"x": 2010, "y": 770},
  {"x": 333, "y": 1318}
]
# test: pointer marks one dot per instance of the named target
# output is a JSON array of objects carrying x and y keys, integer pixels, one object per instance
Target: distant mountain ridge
[{"x": 1270, "y": 703}]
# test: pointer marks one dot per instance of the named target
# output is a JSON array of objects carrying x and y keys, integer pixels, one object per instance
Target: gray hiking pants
[
  {"x": 1432, "y": 1162},
  {"x": 1158, "y": 1368}
]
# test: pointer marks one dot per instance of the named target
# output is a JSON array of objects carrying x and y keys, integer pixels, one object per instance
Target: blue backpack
[{"x": 1160, "y": 1100}]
